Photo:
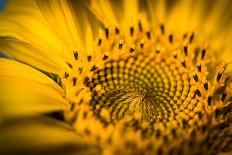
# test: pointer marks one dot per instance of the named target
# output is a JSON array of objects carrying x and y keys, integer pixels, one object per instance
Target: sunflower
[{"x": 116, "y": 77}]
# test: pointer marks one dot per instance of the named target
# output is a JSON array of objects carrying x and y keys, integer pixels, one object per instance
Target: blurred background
[{"x": 2, "y": 4}]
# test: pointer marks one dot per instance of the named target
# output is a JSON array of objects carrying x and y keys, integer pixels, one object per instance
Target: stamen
[
  {"x": 209, "y": 100},
  {"x": 140, "y": 26},
  {"x": 203, "y": 54},
  {"x": 162, "y": 29},
  {"x": 198, "y": 93},
  {"x": 175, "y": 55},
  {"x": 206, "y": 86},
  {"x": 107, "y": 32},
  {"x": 186, "y": 50},
  {"x": 131, "y": 31},
  {"x": 117, "y": 31},
  {"x": 142, "y": 45},
  {"x": 89, "y": 58},
  {"x": 199, "y": 67},
  {"x": 191, "y": 38},
  {"x": 93, "y": 68},
  {"x": 80, "y": 70},
  {"x": 74, "y": 81},
  {"x": 99, "y": 42},
  {"x": 132, "y": 49},
  {"x": 120, "y": 44},
  {"x": 185, "y": 36},
  {"x": 105, "y": 57},
  {"x": 219, "y": 77},
  {"x": 221, "y": 72},
  {"x": 171, "y": 38},
  {"x": 70, "y": 65},
  {"x": 148, "y": 35},
  {"x": 183, "y": 63},
  {"x": 75, "y": 53},
  {"x": 195, "y": 78},
  {"x": 66, "y": 75},
  {"x": 86, "y": 80}
]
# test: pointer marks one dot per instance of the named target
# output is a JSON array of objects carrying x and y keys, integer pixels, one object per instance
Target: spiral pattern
[{"x": 156, "y": 89}]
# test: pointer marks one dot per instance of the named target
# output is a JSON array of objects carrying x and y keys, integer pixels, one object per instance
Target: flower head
[{"x": 116, "y": 77}]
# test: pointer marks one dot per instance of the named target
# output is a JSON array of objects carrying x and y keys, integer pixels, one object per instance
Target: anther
[
  {"x": 142, "y": 45},
  {"x": 209, "y": 100},
  {"x": 175, "y": 55},
  {"x": 170, "y": 38},
  {"x": 219, "y": 75},
  {"x": 66, "y": 75},
  {"x": 132, "y": 49},
  {"x": 223, "y": 97},
  {"x": 80, "y": 70},
  {"x": 148, "y": 35},
  {"x": 72, "y": 106},
  {"x": 89, "y": 58},
  {"x": 186, "y": 50},
  {"x": 206, "y": 86},
  {"x": 120, "y": 44},
  {"x": 203, "y": 53},
  {"x": 107, "y": 32},
  {"x": 140, "y": 26},
  {"x": 195, "y": 78},
  {"x": 185, "y": 36},
  {"x": 191, "y": 38},
  {"x": 199, "y": 67},
  {"x": 74, "y": 81},
  {"x": 70, "y": 65},
  {"x": 75, "y": 53},
  {"x": 198, "y": 93},
  {"x": 117, "y": 31},
  {"x": 99, "y": 42},
  {"x": 131, "y": 31},
  {"x": 105, "y": 57},
  {"x": 157, "y": 51},
  {"x": 183, "y": 63},
  {"x": 162, "y": 29},
  {"x": 93, "y": 68},
  {"x": 86, "y": 80}
]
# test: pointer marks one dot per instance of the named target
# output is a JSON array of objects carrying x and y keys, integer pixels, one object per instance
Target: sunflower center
[
  {"x": 139, "y": 84},
  {"x": 148, "y": 76}
]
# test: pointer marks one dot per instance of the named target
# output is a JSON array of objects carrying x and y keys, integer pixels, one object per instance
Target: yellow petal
[
  {"x": 24, "y": 21},
  {"x": 131, "y": 11},
  {"x": 16, "y": 69},
  {"x": 31, "y": 55},
  {"x": 103, "y": 10},
  {"x": 60, "y": 16},
  {"x": 25, "y": 91},
  {"x": 39, "y": 135}
]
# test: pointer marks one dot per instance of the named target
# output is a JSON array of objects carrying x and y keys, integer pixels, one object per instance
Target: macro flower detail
[{"x": 115, "y": 77}]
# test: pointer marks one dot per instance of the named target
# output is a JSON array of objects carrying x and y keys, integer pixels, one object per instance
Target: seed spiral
[{"x": 140, "y": 84}]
